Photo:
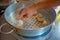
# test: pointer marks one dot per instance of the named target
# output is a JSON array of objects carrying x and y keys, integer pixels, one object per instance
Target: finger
[{"x": 22, "y": 12}]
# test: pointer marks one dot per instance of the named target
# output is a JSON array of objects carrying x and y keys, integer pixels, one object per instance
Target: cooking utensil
[
  {"x": 11, "y": 20},
  {"x": 7, "y": 2}
]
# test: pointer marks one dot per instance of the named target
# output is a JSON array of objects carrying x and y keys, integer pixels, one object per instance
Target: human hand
[{"x": 26, "y": 12}]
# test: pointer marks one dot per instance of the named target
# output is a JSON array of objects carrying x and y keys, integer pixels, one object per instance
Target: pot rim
[{"x": 27, "y": 29}]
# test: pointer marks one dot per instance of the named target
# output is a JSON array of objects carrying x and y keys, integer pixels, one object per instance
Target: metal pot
[
  {"x": 6, "y": 2},
  {"x": 50, "y": 13}
]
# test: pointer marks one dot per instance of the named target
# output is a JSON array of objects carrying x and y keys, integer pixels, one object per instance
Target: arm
[
  {"x": 45, "y": 4},
  {"x": 42, "y": 4}
]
